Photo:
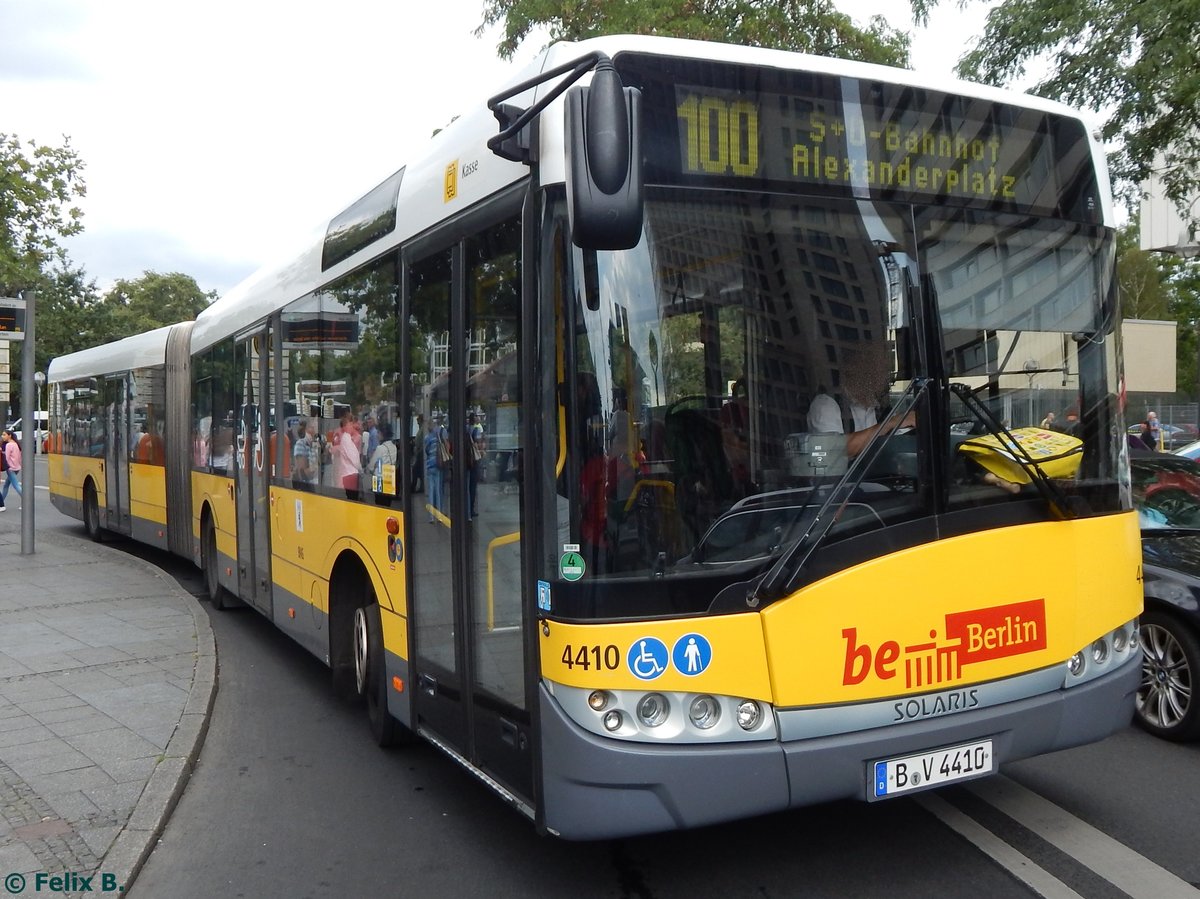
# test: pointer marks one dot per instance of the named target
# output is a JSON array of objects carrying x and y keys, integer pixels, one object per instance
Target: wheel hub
[{"x": 360, "y": 651}]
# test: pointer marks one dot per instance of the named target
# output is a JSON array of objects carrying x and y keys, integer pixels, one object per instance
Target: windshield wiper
[
  {"x": 1045, "y": 485},
  {"x": 778, "y": 580}
]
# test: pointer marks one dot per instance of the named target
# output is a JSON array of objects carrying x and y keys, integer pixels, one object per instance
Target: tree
[
  {"x": 1182, "y": 281},
  {"x": 68, "y": 315},
  {"x": 1135, "y": 60},
  {"x": 810, "y": 26},
  {"x": 38, "y": 186},
  {"x": 1140, "y": 278},
  {"x": 149, "y": 302}
]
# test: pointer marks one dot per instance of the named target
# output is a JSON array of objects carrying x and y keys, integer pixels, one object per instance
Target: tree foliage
[
  {"x": 810, "y": 26},
  {"x": 68, "y": 315},
  {"x": 1133, "y": 60},
  {"x": 38, "y": 188},
  {"x": 1162, "y": 287},
  {"x": 149, "y": 302},
  {"x": 1182, "y": 281},
  {"x": 1140, "y": 282}
]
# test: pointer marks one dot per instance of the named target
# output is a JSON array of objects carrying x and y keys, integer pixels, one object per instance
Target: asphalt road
[{"x": 290, "y": 798}]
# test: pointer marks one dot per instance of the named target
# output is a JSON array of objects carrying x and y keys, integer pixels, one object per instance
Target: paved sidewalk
[{"x": 107, "y": 675}]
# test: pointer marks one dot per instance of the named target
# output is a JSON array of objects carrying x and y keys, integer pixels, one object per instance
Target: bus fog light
[
  {"x": 1075, "y": 665},
  {"x": 652, "y": 710},
  {"x": 749, "y": 713},
  {"x": 598, "y": 700},
  {"x": 1100, "y": 651},
  {"x": 704, "y": 712},
  {"x": 612, "y": 720},
  {"x": 1119, "y": 640}
]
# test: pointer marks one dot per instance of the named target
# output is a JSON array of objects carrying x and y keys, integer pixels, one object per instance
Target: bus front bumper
[{"x": 598, "y": 788}]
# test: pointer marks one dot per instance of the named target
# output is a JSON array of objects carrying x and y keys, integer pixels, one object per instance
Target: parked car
[
  {"x": 1173, "y": 436},
  {"x": 1166, "y": 491},
  {"x": 1190, "y": 451}
]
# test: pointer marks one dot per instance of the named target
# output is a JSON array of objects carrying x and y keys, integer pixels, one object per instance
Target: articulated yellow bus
[{"x": 663, "y": 444}]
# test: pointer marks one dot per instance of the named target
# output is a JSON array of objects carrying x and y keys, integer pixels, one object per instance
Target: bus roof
[
  {"x": 140, "y": 351},
  {"x": 423, "y": 189}
]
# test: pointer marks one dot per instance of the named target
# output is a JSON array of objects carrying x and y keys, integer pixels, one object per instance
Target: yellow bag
[{"x": 1056, "y": 455}]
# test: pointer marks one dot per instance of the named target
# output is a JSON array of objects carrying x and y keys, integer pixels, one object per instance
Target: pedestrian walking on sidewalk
[
  {"x": 12, "y": 474},
  {"x": 3, "y": 466}
]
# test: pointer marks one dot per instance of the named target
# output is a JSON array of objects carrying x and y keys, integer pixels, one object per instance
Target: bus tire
[
  {"x": 217, "y": 595},
  {"x": 91, "y": 513},
  {"x": 370, "y": 674}
]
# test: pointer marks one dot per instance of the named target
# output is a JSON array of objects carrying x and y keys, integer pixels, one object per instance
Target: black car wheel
[{"x": 1166, "y": 704}]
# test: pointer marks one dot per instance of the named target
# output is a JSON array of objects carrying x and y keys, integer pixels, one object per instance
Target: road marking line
[
  {"x": 1125, "y": 869},
  {"x": 1019, "y": 866}
]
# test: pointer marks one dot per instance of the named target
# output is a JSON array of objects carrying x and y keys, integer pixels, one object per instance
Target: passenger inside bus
[
  {"x": 150, "y": 449},
  {"x": 222, "y": 451},
  {"x": 735, "y": 436}
]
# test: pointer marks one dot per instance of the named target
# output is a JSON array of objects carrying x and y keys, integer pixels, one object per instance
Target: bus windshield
[{"x": 726, "y": 374}]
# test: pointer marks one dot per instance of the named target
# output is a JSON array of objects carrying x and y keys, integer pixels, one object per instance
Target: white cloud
[{"x": 229, "y": 130}]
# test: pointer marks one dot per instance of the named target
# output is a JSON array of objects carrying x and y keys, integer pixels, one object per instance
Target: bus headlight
[
  {"x": 667, "y": 716},
  {"x": 1119, "y": 639},
  {"x": 704, "y": 712},
  {"x": 749, "y": 713},
  {"x": 653, "y": 709},
  {"x": 1100, "y": 651},
  {"x": 1076, "y": 664}
]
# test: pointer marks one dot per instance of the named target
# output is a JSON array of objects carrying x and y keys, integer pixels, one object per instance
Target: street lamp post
[{"x": 39, "y": 380}]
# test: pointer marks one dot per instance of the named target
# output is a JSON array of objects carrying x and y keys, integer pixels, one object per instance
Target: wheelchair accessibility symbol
[{"x": 647, "y": 658}]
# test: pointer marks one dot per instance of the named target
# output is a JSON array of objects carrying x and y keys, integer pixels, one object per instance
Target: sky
[{"x": 222, "y": 136}]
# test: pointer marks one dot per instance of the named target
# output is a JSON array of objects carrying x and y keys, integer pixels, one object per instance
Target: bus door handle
[
  {"x": 429, "y": 684},
  {"x": 511, "y": 735}
]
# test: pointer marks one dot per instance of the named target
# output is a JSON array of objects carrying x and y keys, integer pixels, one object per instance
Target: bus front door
[{"x": 465, "y": 525}]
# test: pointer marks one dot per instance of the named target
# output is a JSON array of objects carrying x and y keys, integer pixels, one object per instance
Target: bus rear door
[{"x": 116, "y": 454}]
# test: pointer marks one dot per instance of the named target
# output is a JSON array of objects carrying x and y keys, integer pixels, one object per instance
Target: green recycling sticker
[{"x": 571, "y": 566}]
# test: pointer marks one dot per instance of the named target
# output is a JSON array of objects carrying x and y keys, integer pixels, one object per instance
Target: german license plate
[{"x": 929, "y": 769}]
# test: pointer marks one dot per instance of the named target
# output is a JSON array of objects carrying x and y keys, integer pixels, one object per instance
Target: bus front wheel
[{"x": 370, "y": 674}]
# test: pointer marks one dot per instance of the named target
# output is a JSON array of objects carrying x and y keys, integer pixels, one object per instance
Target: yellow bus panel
[
  {"x": 606, "y": 656},
  {"x": 215, "y": 491},
  {"x": 956, "y": 611},
  {"x": 68, "y": 474},
  {"x": 309, "y": 531},
  {"x": 148, "y": 492}
]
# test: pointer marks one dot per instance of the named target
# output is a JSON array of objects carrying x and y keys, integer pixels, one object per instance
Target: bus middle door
[{"x": 252, "y": 482}]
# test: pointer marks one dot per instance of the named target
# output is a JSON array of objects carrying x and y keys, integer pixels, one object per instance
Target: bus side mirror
[{"x": 604, "y": 162}]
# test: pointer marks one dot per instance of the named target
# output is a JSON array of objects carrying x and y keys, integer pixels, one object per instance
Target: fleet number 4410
[{"x": 591, "y": 656}]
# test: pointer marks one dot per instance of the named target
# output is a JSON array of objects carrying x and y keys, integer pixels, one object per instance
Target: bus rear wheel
[
  {"x": 208, "y": 559},
  {"x": 370, "y": 675},
  {"x": 91, "y": 513}
]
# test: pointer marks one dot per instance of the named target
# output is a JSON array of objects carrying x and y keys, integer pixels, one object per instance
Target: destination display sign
[{"x": 736, "y": 126}]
